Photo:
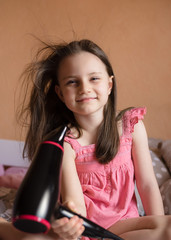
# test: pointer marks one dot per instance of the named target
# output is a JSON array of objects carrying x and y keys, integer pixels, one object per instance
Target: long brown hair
[{"x": 47, "y": 112}]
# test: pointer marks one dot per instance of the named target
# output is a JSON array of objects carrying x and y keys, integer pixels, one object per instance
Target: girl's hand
[{"x": 68, "y": 228}]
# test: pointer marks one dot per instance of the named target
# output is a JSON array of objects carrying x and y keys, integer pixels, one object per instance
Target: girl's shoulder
[
  {"x": 72, "y": 138},
  {"x": 129, "y": 117}
]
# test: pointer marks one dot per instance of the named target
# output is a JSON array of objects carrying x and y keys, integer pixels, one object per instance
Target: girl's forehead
[{"x": 80, "y": 62}]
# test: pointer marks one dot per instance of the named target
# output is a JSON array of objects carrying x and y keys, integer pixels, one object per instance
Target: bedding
[
  {"x": 10, "y": 180},
  {"x": 7, "y": 196},
  {"x": 160, "y": 151},
  {"x": 166, "y": 153}
]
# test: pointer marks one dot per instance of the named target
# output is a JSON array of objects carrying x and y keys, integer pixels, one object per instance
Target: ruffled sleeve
[
  {"x": 73, "y": 142},
  {"x": 131, "y": 117}
]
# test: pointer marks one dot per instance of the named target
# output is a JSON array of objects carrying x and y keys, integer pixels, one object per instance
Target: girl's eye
[
  {"x": 95, "y": 78},
  {"x": 71, "y": 82}
]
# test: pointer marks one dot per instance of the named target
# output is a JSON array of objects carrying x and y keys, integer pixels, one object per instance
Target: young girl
[{"x": 105, "y": 151}]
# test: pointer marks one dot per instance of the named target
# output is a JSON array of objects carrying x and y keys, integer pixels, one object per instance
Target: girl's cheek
[{"x": 104, "y": 89}]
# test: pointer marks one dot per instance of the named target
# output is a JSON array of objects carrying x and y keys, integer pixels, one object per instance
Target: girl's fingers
[
  {"x": 60, "y": 223},
  {"x": 66, "y": 228},
  {"x": 75, "y": 227}
]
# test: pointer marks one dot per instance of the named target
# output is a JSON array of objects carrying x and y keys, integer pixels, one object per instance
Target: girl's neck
[
  {"x": 89, "y": 123},
  {"x": 89, "y": 127}
]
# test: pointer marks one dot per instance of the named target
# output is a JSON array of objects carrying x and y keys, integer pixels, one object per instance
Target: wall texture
[{"x": 134, "y": 33}]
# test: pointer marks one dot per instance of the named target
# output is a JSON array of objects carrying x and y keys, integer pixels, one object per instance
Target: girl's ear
[
  {"x": 59, "y": 93},
  {"x": 110, "y": 84}
]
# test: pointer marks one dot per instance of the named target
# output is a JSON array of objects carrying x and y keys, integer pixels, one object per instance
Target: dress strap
[
  {"x": 131, "y": 117},
  {"x": 73, "y": 142}
]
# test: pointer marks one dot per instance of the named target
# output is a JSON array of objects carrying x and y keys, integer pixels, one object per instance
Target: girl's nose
[{"x": 84, "y": 88}]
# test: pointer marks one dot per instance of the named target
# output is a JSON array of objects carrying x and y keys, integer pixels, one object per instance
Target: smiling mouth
[{"x": 88, "y": 99}]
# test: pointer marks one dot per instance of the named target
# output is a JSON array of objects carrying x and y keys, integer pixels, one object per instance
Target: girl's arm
[
  {"x": 71, "y": 190},
  {"x": 144, "y": 173},
  {"x": 72, "y": 196}
]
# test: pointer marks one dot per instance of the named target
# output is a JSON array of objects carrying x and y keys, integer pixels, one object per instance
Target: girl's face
[{"x": 84, "y": 84}]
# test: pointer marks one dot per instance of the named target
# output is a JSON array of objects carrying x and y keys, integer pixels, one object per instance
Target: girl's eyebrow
[
  {"x": 95, "y": 73},
  {"x": 72, "y": 76}
]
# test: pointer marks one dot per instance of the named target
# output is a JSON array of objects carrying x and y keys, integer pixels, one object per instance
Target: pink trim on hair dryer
[
  {"x": 35, "y": 219},
  {"x": 53, "y": 143}
]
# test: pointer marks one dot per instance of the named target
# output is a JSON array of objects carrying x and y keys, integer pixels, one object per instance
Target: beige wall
[{"x": 135, "y": 34}]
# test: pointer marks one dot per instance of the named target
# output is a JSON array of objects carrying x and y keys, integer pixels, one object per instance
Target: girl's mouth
[{"x": 86, "y": 99}]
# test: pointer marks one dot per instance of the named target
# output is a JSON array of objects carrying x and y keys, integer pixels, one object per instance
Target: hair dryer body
[{"x": 39, "y": 191}]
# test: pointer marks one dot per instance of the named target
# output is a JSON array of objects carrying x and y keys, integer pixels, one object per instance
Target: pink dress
[{"x": 109, "y": 189}]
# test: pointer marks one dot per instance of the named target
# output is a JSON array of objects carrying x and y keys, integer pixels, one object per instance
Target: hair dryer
[{"x": 36, "y": 198}]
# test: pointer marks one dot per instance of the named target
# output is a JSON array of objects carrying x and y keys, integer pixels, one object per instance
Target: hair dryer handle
[{"x": 92, "y": 229}]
